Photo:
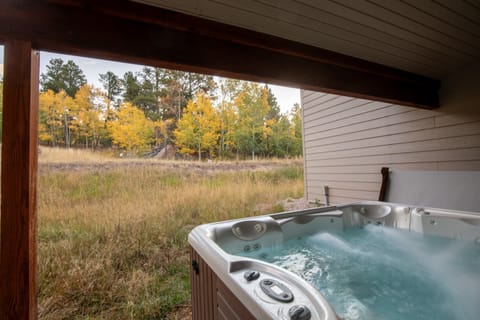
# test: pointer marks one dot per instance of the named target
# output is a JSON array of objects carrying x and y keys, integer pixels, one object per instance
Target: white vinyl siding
[{"x": 347, "y": 141}]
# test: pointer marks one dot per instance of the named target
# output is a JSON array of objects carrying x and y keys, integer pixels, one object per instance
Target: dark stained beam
[
  {"x": 132, "y": 32},
  {"x": 19, "y": 183},
  {"x": 170, "y": 19}
]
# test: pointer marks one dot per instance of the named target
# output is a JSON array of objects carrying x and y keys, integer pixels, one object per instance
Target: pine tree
[
  {"x": 112, "y": 85},
  {"x": 131, "y": 86},
  {"x": 274, "y": 112},
  {"x": 62, "y": 76}
]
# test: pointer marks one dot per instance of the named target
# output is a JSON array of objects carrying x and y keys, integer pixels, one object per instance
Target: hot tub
[{"x": 367, "y": 260}]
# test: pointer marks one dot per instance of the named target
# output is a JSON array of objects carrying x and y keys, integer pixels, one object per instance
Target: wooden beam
[
  {"x": 19, "y": 183},
  {"x": 132, "y": 32},
  {"x": 175, "y": 20}
]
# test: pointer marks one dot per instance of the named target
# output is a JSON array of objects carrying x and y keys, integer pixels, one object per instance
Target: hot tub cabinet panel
[
  {"x": 211, "y": 299},
  {"x": 227, "y": 285}
]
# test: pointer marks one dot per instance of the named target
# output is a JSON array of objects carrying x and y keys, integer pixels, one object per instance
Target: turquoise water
[{"x": 378, "y": 273}]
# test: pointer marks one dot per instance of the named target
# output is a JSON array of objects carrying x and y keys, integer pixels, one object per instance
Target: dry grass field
[{"x": 113, "y": 233}]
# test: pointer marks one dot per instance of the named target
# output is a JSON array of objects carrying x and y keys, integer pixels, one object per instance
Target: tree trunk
[{"x": 253, "y": 146}]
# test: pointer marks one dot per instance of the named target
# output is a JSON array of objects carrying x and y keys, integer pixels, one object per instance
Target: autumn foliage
[
  {"x": 198, "y": 129},
  {"x": 131, "y": 130},
  {"x": 200, "y": 117}
]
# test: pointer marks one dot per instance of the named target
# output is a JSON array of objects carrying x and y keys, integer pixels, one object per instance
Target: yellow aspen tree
[
  {"x": 131, "y": 130},
  {"x": 253, "y": 108},
  {"x": 197, "y": 129},
  {"x": 80, "y": 103},
  {"x": 54, "y": 111},
  {"x": 228, "y": 120},
  {"x": 88, "y": 123}
]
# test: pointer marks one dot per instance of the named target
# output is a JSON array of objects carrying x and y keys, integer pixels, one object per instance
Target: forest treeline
[{"x": 143, "y": 112}]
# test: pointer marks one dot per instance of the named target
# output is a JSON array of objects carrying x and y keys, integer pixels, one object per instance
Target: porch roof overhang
[{"x": 138, "y": 33}]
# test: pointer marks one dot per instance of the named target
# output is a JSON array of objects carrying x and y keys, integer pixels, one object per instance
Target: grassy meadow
[{"x": 112, "y": 239}]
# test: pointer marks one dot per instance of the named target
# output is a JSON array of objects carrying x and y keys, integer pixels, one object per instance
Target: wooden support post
[{"x": 19, "y": 183}]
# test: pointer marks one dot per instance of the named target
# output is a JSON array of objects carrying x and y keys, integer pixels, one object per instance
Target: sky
[{"x": 286, "y": 97}]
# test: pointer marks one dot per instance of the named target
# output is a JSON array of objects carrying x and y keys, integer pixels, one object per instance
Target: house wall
[{"x": 347, "y": 140}]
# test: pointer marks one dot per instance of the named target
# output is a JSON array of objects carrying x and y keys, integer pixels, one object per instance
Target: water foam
[
  {"x": 454, "y": 264},
  {"x": 378, "y": 273}
]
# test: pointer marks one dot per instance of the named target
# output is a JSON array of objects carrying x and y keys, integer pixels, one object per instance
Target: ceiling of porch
[{"x": 431, "y": 38}]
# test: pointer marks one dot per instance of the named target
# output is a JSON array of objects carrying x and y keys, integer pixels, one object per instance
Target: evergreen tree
[
  {"x": 181, "y": 87},
  {"x": 148, "y": 98},
  {"x": 282, "y": 139},
  {"x": 274, "y": 112},
  {"x": 112, "y": 84},
  {"x": 131, "y": 86},
  {"x": 163, "y": 94},
  {"x": 62, "y": 76}
]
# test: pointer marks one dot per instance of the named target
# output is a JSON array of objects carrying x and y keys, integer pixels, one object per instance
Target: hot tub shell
[{"x": 221, "y": 291}]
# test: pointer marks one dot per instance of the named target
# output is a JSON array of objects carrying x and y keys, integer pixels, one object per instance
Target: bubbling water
[{"x": 380, "y": 273}]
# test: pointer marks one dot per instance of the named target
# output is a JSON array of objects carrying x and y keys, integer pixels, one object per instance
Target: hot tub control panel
[
  {"x": 280, "y": 298},
  {"x": 276, "y": 290}
]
